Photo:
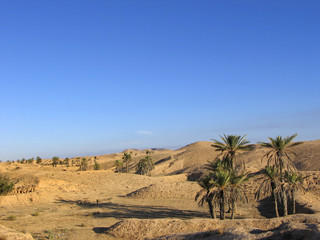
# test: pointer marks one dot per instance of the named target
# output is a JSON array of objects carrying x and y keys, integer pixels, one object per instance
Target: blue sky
[{"x": 94, "y": 77}]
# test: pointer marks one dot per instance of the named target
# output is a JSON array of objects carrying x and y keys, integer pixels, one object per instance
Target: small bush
[
  {"x": 12, "y": 218},
  {"x": 5, "y": 185},
  {"x": 35, "y": 214}
]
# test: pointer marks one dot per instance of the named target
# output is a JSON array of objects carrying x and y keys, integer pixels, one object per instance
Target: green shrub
[
  {"x": 35, "y": 214},
  {"x": 5, "y": 185},
  {"x": 12, "y": 218}
]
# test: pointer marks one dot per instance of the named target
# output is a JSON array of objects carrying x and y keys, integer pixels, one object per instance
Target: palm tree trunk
[
  {"x": 222, "y": 203},
  {"x": 210, "y": 208},
  {"x": 284, "y": 194},
  {"x": 234, "y": 209},
  {"x": 214, "y": 210},
  {"x": 275, "y": 199},
  {"x": 284, "y": 200},
  {"x": 293, "y": 202}
]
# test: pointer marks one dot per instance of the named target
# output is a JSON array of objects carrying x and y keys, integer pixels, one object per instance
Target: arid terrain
[{"x": 64, "y": 203}]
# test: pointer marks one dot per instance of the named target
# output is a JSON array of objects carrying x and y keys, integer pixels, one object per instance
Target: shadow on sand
[
  {"x": 266, "y": 208},
  {"x": 123, "y": 211}
]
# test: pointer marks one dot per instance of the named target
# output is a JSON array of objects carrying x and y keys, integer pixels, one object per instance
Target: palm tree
[
  {"x": 237, "y": 190},
  {"x": 150, "y": 162},
  {"x": 219, "y": 163},
  {"x": 83, "y": 164},
  {"x": 206, "y": 195},
  {"x": 55, "y": 161},
  {"x": 280, "y": 154},
  {"x": 221, "y": 180},
  {"x": 270, "y": 185},
  {"x": 145, "y": 165},
  {"x": 119, "y": 165},
  {"x": 294, "y": 183},
  {"x": 126, "y": 159},
  {"x": 231, "y": 145},
  {"x": 67, "y": 162}
]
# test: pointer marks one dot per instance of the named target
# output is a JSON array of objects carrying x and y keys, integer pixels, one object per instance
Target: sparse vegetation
[
  {"x": 67, "y": 162},
  {"x": 55, "y": 161},
  {"x": 118, "y": 164},
  {"x": 36, "y": 214},
  {"x": 38, "y": 160},
  {"x": 127, "y": 159},
  {"x": 6, "y": 185},
  {"x": 224, "y": 186},
  {"x": 83, "y": 165},
  {"x": 30, "y": 160},
  {"x": 145, "y": 165},
  {"x": 12, "y": 218},
  {"x": 96, "y": 165}
]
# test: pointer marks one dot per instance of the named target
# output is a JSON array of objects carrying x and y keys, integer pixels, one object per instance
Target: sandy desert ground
[{"x": 64, "y": 203}]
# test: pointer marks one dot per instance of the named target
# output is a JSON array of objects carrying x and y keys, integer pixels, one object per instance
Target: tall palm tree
[
  {"x": 280, "y": 154},
  {"x": 206, "y": 195},
  {"x": 294, "y": 183},
  {"x": 237, "y": 190},
  {"x": 231, "y": 145},
  {"x": 126, "y": 159},
  {"x": 270, "y": 185}
]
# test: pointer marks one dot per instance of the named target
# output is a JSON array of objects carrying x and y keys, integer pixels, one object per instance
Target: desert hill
[
  {"x": 65, "y": 203},
  {"x": 191, "y": 158}
]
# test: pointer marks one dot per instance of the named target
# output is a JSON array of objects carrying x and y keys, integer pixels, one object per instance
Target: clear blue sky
[{"x": 93, "y": 77}]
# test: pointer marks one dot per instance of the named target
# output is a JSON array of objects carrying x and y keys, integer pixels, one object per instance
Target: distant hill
[{"x": 191, "y": 158}]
